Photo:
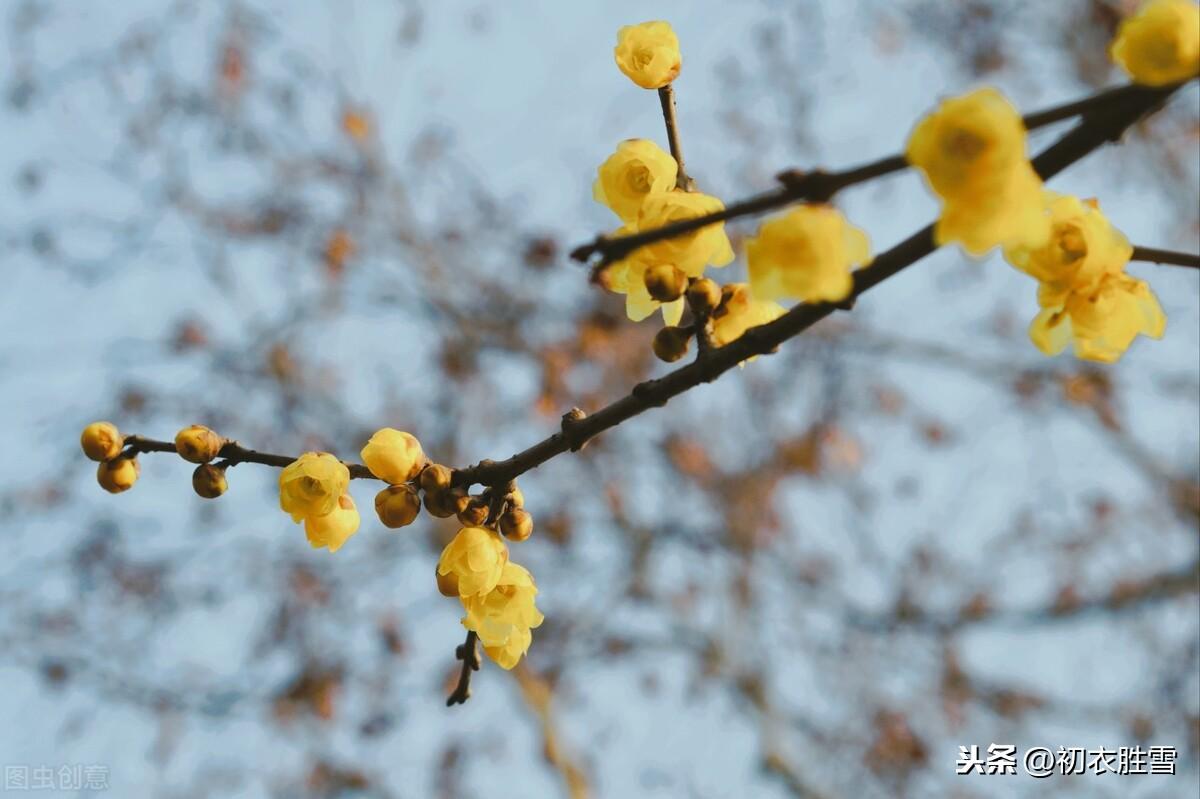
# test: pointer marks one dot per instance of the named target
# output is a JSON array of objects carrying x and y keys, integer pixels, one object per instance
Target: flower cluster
[{"x": 1160, "y": 44}]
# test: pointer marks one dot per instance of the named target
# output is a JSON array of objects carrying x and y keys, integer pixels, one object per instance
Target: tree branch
[
  {"x": 1169, "y": 257},
  {"x": 666, "y": 96},
  {"x": 468, "y": 653}
]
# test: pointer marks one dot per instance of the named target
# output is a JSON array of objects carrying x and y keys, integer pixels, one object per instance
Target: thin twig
[
  {"x": 233, "y": 453},
  {"x": 468, "y": 653},
  {"x": 666, "y": 97},
  {"x": 1168, "y": 257}
]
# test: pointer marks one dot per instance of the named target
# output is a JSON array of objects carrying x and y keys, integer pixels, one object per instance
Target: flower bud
[
  {"x": 671, "y": 343},
  {"x": 516, "y": 524},
  {"x": 209, "y": 481},
  {"x": 475, "y": 513},
  {"x": 397, "y": 506},
  {"x": 441, "y": 504},
  {"x": 435, "y": 477},
  {"x": 198, "y": 444},
  {"x": 393, "y": 456},
  {"x": 665, "y": 282},
  {"x": 447, "y": 583},
  {"x": 703, "y": 296},
  {"x": 118, "y": 474},
  {"x": 101, "y": 441},
  {"x": 515, "y": 498}
]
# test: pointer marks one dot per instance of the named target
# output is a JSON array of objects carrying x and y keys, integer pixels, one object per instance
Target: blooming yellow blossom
[
  {"x": 628, "y": 277},
  {"x": 1101, "y": 323},
  {"x": 638, "y": 168},
  {"x": 1160, "y": 44},
  {"x": 740, "y": 312},
  {"x": 334, "y": 528},
  {"x": 690, "y": 252},
  {"x": 648, "y": 54},
  {"x": 1082, "y": 248},
  {"x": 509, "y": 606},
  {"x": 507, "y": 655},
  {"x": 806, "y": 254},
  {"x": 393, "y": 456},
  {"x": 971, "y": 150},
  {"x": 310, "y": 485},
  {"x": 118, "y": 475},
  {"x": 101, "y": 441},
  {"x": 476, "y": 556}
]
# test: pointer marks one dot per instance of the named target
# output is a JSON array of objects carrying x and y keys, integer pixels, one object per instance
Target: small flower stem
[
  {"x": 232, "y": 453},
  {"x": 468, "y": 653},
  {"x": 1165, "y": 257},
  {"x": 666, "y": 97}
]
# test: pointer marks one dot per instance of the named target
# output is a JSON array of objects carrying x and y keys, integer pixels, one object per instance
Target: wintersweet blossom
[
  {"x": 648, "y": 54},
  {"x": 1160, "y": 44},
  {"x": 806, "y": 254}
]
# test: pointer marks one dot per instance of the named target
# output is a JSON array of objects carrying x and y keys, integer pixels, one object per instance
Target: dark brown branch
[
  {"x": 468, "y": 653},
  {"x": 666, "y": 97},
  {"x": 1168, "y": 257},
  {"x": 233, "y": 453},
  {"x": 819, "y": 186},
  {"x": 1102, "y": 124}
]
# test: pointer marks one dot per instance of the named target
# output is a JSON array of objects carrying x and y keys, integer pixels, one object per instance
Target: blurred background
[{"x": 904, "y": 533}]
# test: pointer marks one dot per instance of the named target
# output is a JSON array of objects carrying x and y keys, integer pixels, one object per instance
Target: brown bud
[
  {"x": 727, "y": 293},
  {"x": 440, "y": 503},
  {"x": 671, "y": 343},
  {"x": 397, "y": 506},
  {"x": 515, "y": 498},
  {"x": 434, "y": 477},
  {"x": 198, "y": 444},
  {"x": 665, "y": 282},
  {"x": 516, "y": 524},
  {"x": 475, "y": 513},
  {"x": 118, "y": 474},
  {"x": 209, "y": 481},
  {"x": 703, "y": 296},
  {"x": 447, "y": 583}
]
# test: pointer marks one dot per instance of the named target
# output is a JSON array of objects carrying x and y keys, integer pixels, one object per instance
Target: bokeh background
[{"x": 298, "y": 222}]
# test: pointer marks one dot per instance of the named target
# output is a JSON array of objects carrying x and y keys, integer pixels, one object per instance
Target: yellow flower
[
  {"x": 971, "y": 150},
  {"x": 628, "y": 277},
  {"x": 118, "y": 474},
  {"x": 690, "y": 252},
  {"x": 476, "y": 556},
  {"x": 198, "y": 444},
  {"x": 310, "y": 485},
  {"x": 1082, "y": 248},
  {"x": 101, "y": 441},
  {"x": 648, "y": 54},
  {"x": 1102, "y": 323},
  {"x": 806, "y": 254},
  {"x": 638, "y": 168},
  {"x": 514, "y": 648},
  {"x": 393, "y": 456},
  {"x": 740, "y": 312},
  {"x": 509, "y": 606},
  {"x": 1160, "y": 44},
  {"x": 334, "y": 528}
]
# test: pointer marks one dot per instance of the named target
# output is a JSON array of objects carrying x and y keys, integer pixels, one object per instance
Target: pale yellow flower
[
  {"x": 508, "y": 606},
  {"x": 628, "y": 277},
  {"x": 1101, "y": 323},
  {"x": 310, "y": 485},
  {"x": 1160, "y": 44},
  {"x": 806, "y": 254},
  {"x": 691, "y": 252},
  {"x": 508, "y": 655},
  {"x": 648, "y": 54},
  {"x": 476, "y": 556},
  {"x": 740, "y": 312},
  {"x": 1082, "y": 248},
  {"x": 637, "y": 169},
  {"x": 334, "y": 528},
  {"x": 393, "y": 456}
]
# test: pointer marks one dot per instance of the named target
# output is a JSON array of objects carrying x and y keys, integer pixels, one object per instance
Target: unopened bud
[
  {"x": 435, "y": 477},
  {"x": 665, "y": 282},
  {"x": 516, "y": 524},
  {"x": 198, "y": 444},
  {"x": 397, "y": 506},
  {"x": 703, "y": 296},
  {"x": 118, "y": 474},
  {"x": 441, "y": 504},
  {"x": 475, "y": 514},
  {"x": 209, "y": 481},
  {"x": 515, "y": 498},
  {"x": 671, "y": 343},
  {"x": 447, "y": 584},
  {"x": 101, "y": 441}
]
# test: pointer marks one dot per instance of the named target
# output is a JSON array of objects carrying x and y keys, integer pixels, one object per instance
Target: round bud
[
  {"x": 440, "y": 504},
  {"x": 516, "y": 524},
  {"x": 397, "y": 506},
  {"x": 118, "y": 474},
  {"x": 447, "y": 584},
  {"x": 101, "y": 441},
  {"x": 475, "y": 514},
  {"x": 703, "y": 296},
  {"x": 434, "y": 477},
  {"x": 665, "y": 282},
  {"x": 671, "y": 343},
  {"x": 198, "y": 444},
  {"x": 209, "y": 481}
]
